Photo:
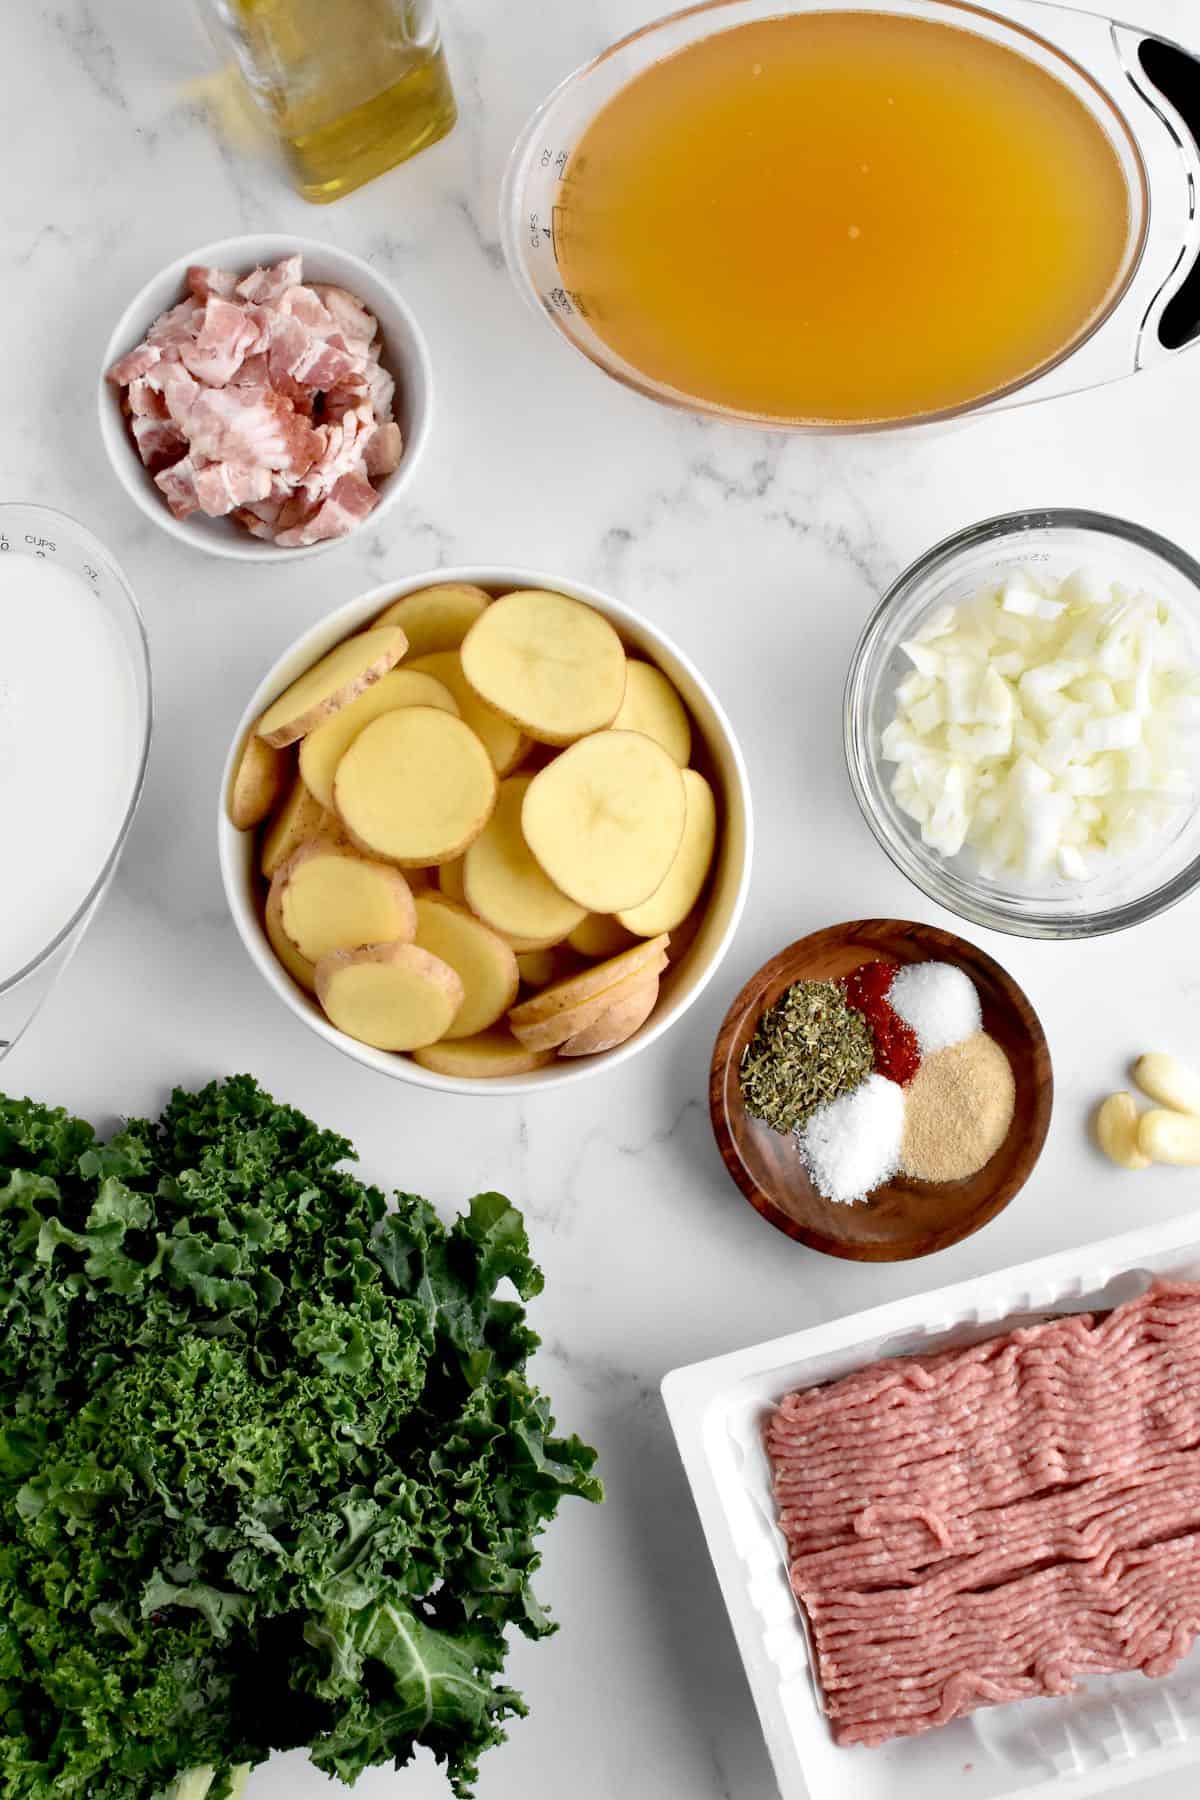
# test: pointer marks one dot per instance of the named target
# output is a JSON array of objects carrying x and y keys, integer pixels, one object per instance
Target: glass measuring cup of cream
[
  {"x": 75, "y": 719},
  {"x": 833, "y": 216}
]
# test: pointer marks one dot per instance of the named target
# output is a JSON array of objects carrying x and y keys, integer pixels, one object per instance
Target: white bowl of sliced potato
[{"x": 485, "y": 830}]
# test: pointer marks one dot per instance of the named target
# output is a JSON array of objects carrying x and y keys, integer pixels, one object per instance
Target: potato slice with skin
[
  {"x": 391, "y": 996},
  {"x": 588, "y": 983},
  {"x": 298, "y": 819},
  {"x": 552, "y": 665},
  {"x": 505, "y": 744},
  {"x": 600, "y": 935},
  {"x": 297, "y": 966},
  {"x": 618, "y": 1022},
  {"x": 652, "y": 706},
  {"x": 538, "y": 968},
  {"x": 481, "y": 959},
  {"x": 450, "y": 880},
  {"x": 523, "y": 946},
  {"x": 322, "y": 750},
  {"x": 506, "y": 886},
  {"x": 488, "y": 1056},
  {"x": 258, "y": 782},
  {"x": 415, "y": 787},
  {"x": 685, "y": 935},
  {"x": 606, "y": 819},
  {"x": 335, "y": 681},
  {"x": 558, "y": 1028},
  {"x": 436, "y": 618},
  {"x": 331, "y": 897},
  {"x": 670, "y": 904}
]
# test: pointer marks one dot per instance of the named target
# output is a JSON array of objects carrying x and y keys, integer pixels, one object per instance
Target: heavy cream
[{"x": 69, "y": 747}]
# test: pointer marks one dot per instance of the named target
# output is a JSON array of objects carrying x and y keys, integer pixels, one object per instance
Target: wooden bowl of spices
[{"x": 880, "y": 1090}]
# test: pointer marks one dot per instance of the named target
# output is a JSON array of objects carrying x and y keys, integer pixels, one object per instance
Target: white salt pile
[
  {"x": 852, "y": 1145},
  {"x": 938, "y": 1001}
]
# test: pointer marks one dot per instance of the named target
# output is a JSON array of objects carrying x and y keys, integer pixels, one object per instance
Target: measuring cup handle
[{"x": 1168, "y": 79}]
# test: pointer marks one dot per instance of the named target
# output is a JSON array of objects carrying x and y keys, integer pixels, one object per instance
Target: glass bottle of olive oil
[{"x": 351, "y": 87}]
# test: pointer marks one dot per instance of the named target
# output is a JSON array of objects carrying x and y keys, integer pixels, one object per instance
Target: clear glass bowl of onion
[{"x": 1109, "y": 834}]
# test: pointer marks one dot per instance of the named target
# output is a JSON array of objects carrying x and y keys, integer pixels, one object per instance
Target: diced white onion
[{"x": 1048, "y": 725}]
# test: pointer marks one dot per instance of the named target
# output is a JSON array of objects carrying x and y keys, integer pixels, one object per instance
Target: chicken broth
[{"x": 843, "y": 217}]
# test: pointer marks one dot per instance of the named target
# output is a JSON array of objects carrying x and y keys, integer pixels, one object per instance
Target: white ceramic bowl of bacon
[{"x": 403, "y": 354}]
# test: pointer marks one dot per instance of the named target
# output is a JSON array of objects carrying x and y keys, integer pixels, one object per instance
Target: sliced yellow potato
[
  {"x": 620, "y": 1019},
  {"x": 392, "y": 996},
  {"x": 670, "y": 903},
  {"x": 298, "y": 819},
  {"x": 331, "y": 683},
  {"x": 416, "y": 786},
  {"x": 322, "y": 750},
  {"x": 600, "y": 935},
  {"x": 538, "y": 968},
  {"x": 506, "y": 886},
  {"x": 652, "y": 706},
  {"x": 526, "y": 946},
  {"x": 450, "y": 880},
  {"x": 505, "y": 744},
  {"x": 436, "y": 618},
  {"x": 574, "y": 990},
  {"x": 297, "y": 966},
  {"x": 257, "y": 784},
  {"x": 488, "y": 1056},
  {"x": 552, "y": 665},
  {"x": 331, "y": 897},
  {"x": 573, "y": 1021},
  {"x": 685, "y": 935},
  {"x": 606, "y": 819},
  {"x": 481, "y": 959}
]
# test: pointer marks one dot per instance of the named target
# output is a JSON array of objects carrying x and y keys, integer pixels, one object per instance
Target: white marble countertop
[{"x": 761, "y": 556}]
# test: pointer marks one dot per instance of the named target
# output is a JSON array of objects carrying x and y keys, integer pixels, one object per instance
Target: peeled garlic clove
[
  {"x": 1169, "y": 1137},
  {"x": 1117, "y": 1132},
  {"x": 1168, "y": 1081}
]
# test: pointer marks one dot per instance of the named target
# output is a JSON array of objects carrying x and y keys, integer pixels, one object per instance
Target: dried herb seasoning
[{"x": 808, "y": 1048}]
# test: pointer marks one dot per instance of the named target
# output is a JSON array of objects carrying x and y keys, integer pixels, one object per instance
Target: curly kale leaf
[{"x": 271, "y": 1469}]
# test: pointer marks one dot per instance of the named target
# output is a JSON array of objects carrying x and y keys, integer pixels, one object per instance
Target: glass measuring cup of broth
[
  {"x": 855, "y": 215},
  {"x": 75, "y": 719}
]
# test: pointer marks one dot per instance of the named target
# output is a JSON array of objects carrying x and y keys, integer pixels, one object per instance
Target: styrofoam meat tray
[{"x": 1114, "y": 1730}]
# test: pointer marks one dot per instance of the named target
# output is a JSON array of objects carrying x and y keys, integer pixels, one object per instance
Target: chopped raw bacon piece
[
  {"x": 268, "y": 286},
  {"x": 381, "y": 388},
  {"x": 305, "y": 304},
  {"x": 351, "y": 317},
  {"x": 252, "y": 425},
  {"x": 222, "y": 486},
  {"x": 254, "y": 372},
  {"x": 202, "y": 282},
  {"x": 347, "y": 506},
  {"x": 145, "y": 401},
  {"x": 177, "y": 327},
  {"x": 263, "y": 399},
  {"x": 159, "y": 442},
  {"x": 133, "y": 366},
  {"x": 248, "y": 518},
  {"x": 178, "y": 483},
  {"x": 384, "y": 449},
  {"x": 225, "y": 338}
]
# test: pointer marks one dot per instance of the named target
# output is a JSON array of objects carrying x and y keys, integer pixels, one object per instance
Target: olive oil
[
  {"x": 843, "y": 217},
  {"x": 352, "y": 87}
]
